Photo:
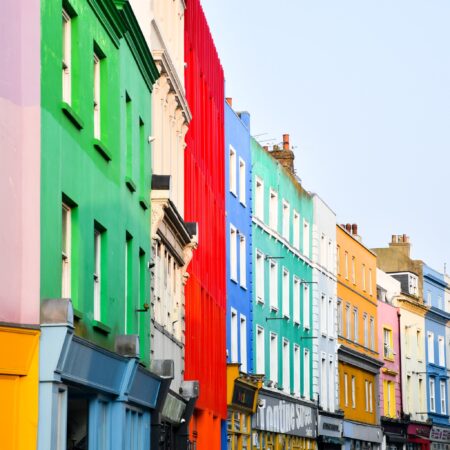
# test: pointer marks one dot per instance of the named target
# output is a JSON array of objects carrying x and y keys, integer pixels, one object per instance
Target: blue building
[
  {"x": 435, "y": 291},
  {"x": 239, "y": 238}
]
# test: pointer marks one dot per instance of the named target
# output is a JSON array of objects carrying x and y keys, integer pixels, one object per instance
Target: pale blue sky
[{"x": 363, "y": 88}]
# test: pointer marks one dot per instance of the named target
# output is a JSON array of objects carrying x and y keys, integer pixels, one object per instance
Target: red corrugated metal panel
[{"x": 205, "y": 204}]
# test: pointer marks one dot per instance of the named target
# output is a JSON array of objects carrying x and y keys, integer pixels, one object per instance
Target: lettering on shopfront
[{"x": 280, "y": 416}]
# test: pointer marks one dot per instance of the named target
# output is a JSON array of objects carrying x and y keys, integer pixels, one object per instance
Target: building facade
[
  {"x": 240, "y": 381},
  {"x": 325, "y": 360},
  {"x": 390, "y": 405},
  {"x": 396, "y": 260},
  {"x": 359, "y": 362},
  {"x": 204, "y": 203},
  {"x": 282, "y": 296},
  {"x": 97, "y": 388},
  {"x": 19, "y": 228}
]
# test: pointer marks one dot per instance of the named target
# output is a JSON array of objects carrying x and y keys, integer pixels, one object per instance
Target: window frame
[
  {"x": 66, "y": 252},
  {"x": 232, "y": 175}
]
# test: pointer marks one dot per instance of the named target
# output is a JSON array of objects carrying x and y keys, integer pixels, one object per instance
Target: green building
[
  {"x": 282, "y": 298},
  {"x": 97, "y": 387}
]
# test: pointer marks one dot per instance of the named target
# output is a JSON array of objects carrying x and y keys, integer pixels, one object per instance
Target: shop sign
[
  {"x": 419, "y": 430},
  {"x": 330, "y": 426},
  {"x": 173, "y": 409},
  {"x": 243, "y": 396},
  {"x": 440, "y": 434},
  {"x": 364, "y": 433},
  {"x": 283, "y": 415}
]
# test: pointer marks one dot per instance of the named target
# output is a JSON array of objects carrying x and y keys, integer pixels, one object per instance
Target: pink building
[
  {"x": 19, "y": 227},
  {"x": 390, "y": 404}
]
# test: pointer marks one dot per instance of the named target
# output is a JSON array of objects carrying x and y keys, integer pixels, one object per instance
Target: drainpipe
[{"x": 400, "y": 363}]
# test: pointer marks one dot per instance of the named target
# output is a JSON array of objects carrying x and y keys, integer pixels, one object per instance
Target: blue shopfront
[{"x": 92, "y": 398}]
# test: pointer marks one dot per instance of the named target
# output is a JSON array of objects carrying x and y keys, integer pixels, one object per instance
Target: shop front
[
  {"x": 330, "y": 427},
  {"x": 440, "y": 438},
  {"x": 282, "y": 422},
  {"x": 242, "y": 398},
  {"x": 361, "y": 436},
  {"x": 89, "y": 397},
  {"x": 418, "y": 436},
  {"x": 395, "y": 433}
]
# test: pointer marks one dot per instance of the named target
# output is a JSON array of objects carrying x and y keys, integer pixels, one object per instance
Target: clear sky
[{"x": 363, "y": 88}]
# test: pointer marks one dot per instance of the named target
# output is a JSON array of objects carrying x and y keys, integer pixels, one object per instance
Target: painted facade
[
  {"x": 435, "y": 288},
  {"x": 390, "y": 405},
  {"x": 282, "y": 278},
  {"x": 173, "y": 240},
  {"x": 396, "y": 260},
  {"x": 97, "y": 388},
  {"x": 325, "y": 356},
  {"x": 19, "y": 229},
  {"x": 204, "y": 203},
  {"x": 359, "y": 362}
]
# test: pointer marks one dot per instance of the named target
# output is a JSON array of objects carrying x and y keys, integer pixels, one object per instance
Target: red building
[{"x": 205, "y": 204}]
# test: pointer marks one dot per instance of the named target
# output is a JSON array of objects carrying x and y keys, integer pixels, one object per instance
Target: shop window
[{"x": 77, "y": 423}]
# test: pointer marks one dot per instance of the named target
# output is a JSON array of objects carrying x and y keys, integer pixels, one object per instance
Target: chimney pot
[
  {"x": 285, "y": 141},
  {"x": 355, "y": 229},
  {"x": 405, "y": 238},
  {"x": 348, "y": 227},
  {"x": 394, "y": 239},
  {"x": 266, "y": 148},
  {"x": 229, "y": 101}
]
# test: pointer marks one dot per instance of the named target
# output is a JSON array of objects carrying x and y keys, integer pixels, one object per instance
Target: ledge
[
  {"x": 77, "y": 314},
  {"x": 72, "y": 115},
  {"x": 131, "y": 185},
  {"x": 143, "y": 203},
  {"x": 101, "y": 327},
  {"x": 101, "y": 148}
]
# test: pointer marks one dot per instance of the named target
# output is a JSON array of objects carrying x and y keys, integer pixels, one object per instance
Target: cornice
[
  {"x": 438, "y": 315},
  {"x": 168, "y": 67},
  {"x": 107, "y": 14},
  {"x": 412, "y": 306},
  {"x": 137, "y": 43},
  {"x": 362, "y": 361}
]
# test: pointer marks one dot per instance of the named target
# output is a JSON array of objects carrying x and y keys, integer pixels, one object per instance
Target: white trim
[
  {"x": 242, "y": 184},
  {"x": 66, "y": 268}
]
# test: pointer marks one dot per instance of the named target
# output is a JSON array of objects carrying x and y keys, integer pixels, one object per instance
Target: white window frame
[
  {"x": 234, "y": 336},
  {"x": 233, "y": 253},
  {"x": 97, "y": 274},
  {"x": 286, "y": 293},
  {"x": 323, "y": 313},
  {"x": 366, "y": 330},
  {"x": 348, "y": 322},
  {"x": 242, "y": 184},
  {"x": 66, "y": 57},
  {"x": 273, "y": 210},
  {"x": 346, "y": 265},
  {"x": 297, "y": 370},
  {"x": 242, "y": 261},
  {"x": 306, "y": 374},
  {"x": 296, "y": 300},
  {"x": 370, "y": 397},
  {"x": 340, "y": 317},
  {"x": 366, "y": 395},
  {"x": 259, "y": 277},
  {"x": 296, "y": 230},
  {"x": 260, "y": 351},
  {"x": 259, "y": 198},
  {"x": 306, "y": 306},
  {"x": 232, "y": 161},
  {"x": 323, "y": 250},
  {"x": 430, "y": 341},
  {"x": 345, "y": 389},
  {"x": 66, "y": 250},
  {"x": 353, "y": 392},
  {"x": 372, "y": 332},
  {"x": 363, "y": 276},
  {"x": 286, "y": 220},
  {"x": 286, "y": 367},
  {"x": 323, "y": 382},
  {"x": 331, "y": 384},
  {"x": 243, "y": 342},
  {"x": 97, "y": 97},
  {"x": 330, "y": 317},
  {"x": 353, "y": 270},
  {"x": 273, "y": 356},
  {"x": 370, "y": 282},
  {"x": 443, "y": 395},
  {"x": 273, "y": 284},
  {"x": 306, "y": 238},
  {"x": 432, "y": 389},
  {"x": 355, "y": 324},
  {"x": 441, "y": 348}
]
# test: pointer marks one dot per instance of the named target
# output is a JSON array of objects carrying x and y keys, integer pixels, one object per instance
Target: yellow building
[
  {"x": 358, "y": 358},
  {"x": 19, "y": 378}
]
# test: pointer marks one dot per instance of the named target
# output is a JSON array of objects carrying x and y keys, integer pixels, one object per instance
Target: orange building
[{"x": 358, "y": 358}]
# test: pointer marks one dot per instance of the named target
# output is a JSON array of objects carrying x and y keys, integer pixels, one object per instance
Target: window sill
[
  {"x": 244, "y": 287},
  {"x": 234, "y": 280},
  {"x": 72, "y": 116},
  {"x": 101, "y": 327},
  {"x": 143, "y": 203},
  {"x": 131, "y": 185},
  {"x": 78, "y": 315},
  {"x": 273, "y": 308},
  {"x": 260, "y": 301},
  {"x": 101, "y": 148}
]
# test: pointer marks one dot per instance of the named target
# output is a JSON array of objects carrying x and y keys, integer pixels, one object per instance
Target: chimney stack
[
  {"x": 285, "y": 156},
  {"x": 229, "y": 100}
]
